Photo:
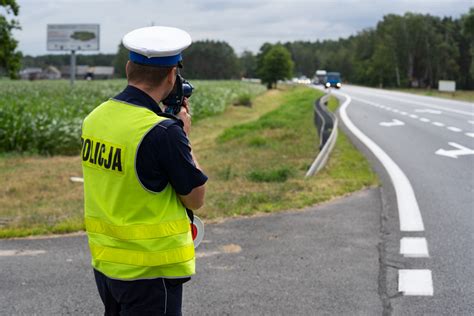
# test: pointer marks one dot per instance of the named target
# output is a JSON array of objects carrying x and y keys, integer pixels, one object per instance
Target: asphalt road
[
  {"x": 432, "y": 142},
  {"x": 320, "y": 261}
]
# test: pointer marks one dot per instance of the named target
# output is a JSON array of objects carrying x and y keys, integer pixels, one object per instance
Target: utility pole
[{"x": 73, "y": 67}]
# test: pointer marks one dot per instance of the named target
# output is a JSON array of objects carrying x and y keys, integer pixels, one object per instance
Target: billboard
[
  {"x": 67, "y": 37},
  {"x": 447, "y": 86}
]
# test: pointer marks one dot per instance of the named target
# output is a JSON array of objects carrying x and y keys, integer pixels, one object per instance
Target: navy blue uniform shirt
[{"x": 164, "y": 155}]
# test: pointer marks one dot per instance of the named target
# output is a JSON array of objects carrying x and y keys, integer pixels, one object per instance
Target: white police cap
[{"x": 156, "y": 45}]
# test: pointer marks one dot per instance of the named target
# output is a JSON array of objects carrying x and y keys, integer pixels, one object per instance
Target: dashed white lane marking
[
  {"x": 394, "y": 122},
  {"x": 429, "y": 105},
  {"x": 19, "y": 252},
  {"x": 422, "y": 119},
  {"x": 428, "y": 111},
  {"x": 408, "y": 210},
  {"x": 454, "y": 129},
  {"x": 415, "y": 282},
  {"x": 415, "y": 247}
]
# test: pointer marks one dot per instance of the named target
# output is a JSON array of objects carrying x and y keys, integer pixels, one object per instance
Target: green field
[{"x": 45, "y": 117}]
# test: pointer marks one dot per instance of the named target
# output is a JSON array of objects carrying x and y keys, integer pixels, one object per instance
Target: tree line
[{"x": 410, "y": 50}]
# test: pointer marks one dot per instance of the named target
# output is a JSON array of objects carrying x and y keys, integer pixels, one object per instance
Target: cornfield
[{"x": 45, "y": 117}]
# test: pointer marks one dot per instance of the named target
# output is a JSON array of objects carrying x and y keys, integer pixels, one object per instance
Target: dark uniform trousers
[{"x": 140, "y": 297}]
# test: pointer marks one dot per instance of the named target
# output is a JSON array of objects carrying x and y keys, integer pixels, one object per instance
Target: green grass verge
[{"x": 259, "y": 166}]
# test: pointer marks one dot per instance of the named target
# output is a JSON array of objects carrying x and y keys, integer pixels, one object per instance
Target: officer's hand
[{"x": 184, "y": 116}]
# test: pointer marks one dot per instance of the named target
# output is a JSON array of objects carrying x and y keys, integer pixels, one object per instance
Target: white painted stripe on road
[
  {"x": 471, "y": 122},
  {"x": 428, "y": 111},
  {"x": 414, "y": 247},
  {"x": 438, "y": 123},
  {"x": 14, "y": 253},
  {"x": 454, "y": 129},
  {"x": 459, "y": 151},
  {"x": 413, "y": 116},
  {"x": 470, "y": 134},
  {"x": 408, "y": 210},
  {"x": 420, "y": 103},
  {"x": 424, "y": 119},
  {"x": 415, "y": 282},
  {"x": 403, "y": 113}
]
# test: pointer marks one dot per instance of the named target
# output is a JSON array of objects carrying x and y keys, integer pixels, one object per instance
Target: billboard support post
[{"x": 73, "y": 66}]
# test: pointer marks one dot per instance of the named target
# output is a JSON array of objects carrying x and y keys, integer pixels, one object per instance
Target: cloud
[{"x": 244, "y": 24}]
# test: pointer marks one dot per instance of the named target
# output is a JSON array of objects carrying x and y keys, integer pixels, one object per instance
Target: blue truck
[{"x": 333, "y": 80}]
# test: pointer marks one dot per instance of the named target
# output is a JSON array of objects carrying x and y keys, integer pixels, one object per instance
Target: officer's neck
[{"x": 156, "y": 94}]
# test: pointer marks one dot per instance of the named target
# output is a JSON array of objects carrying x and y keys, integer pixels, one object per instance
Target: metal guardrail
[{"x": 326, "y": 123}]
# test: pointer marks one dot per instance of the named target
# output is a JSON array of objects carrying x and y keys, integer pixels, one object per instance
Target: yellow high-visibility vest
[{"x": 133, "y": 233}]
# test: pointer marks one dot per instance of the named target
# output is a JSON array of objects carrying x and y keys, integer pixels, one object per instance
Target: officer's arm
[{"x": 195, "y": 199}]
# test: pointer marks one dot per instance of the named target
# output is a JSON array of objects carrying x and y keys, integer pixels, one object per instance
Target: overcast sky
[{"x": 244, "y": 24}]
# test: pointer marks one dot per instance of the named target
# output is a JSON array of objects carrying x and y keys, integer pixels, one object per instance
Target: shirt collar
[{"x": 139, "y": 97}]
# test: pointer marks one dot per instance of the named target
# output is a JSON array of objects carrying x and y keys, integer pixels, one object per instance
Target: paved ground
[{"x": 320, "y": 261}]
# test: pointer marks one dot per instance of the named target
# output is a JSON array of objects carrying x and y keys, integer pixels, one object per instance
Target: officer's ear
[
  {"x": 171, "y": 77},
  {"x": 127, "y": 68}
]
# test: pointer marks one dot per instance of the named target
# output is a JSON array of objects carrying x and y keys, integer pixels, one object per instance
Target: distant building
[
  {"x": 32, "y": 73},
  {"x": 89, "y": 73},
  {"x": 35, "y": 73},
  {"x": 51, "y": 73},
  {"x": 102, "y": 72},
  {"x": 81, "y": 71}
]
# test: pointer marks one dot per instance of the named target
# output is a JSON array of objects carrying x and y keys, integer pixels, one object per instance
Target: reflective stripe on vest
[
  {"x": 140, "y": 258},
  {"x": 133, "y": 233}
]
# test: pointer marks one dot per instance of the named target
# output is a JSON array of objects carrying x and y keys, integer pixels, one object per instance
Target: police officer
[{"x": 140, "y": 175}]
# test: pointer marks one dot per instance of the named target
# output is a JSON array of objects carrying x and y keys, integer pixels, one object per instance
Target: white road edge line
[
  {"x": 415, "y": 282},
  {"x": 414, "y": 247},
  {"x": 408, "y": 210}
]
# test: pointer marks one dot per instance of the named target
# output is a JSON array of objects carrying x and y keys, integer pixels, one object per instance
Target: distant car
[
  {"x": 301, "y": 80},
  {"x": 333, "y": 80}
]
